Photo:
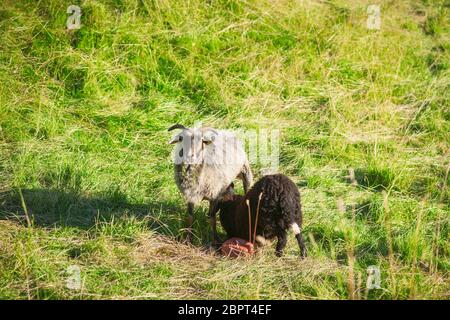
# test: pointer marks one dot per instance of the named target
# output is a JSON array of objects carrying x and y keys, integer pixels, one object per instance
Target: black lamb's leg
[
  {"x": 281, "y": 244},
  {"x": 298, "y": 231},
  {"x": 301, "y": 244},
  {"x": 213, "y": 204}
]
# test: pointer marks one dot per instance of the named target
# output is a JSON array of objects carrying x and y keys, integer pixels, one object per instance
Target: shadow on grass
[
  {"x": 376, "y": 179},
  {"x": 52, "y": 207}
]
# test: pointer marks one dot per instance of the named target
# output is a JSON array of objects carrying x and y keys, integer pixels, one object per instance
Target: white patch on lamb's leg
[
  {"x": 261, "y": 240},
  {"x": 296, "y": 228}
]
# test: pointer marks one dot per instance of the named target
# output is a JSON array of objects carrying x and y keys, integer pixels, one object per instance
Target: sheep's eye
[{"x": 180, "y": 138}]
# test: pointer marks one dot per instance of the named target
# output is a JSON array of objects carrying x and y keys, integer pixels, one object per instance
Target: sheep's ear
[
  {"x": 175, "y": 139},
  {"x": 209, "y": 136},
  {"x": 230, "y": 190},
  {"x": 208, "y": 140}
]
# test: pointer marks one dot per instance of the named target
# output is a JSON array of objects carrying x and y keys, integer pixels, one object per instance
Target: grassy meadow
[{"x": 86, "y": 176}]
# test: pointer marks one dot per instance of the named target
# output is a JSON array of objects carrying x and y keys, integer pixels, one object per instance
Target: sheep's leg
[
  {"x": 247, "y": 177},
  {"x": 190, "y": 221},
  {"x": 301, "y": 244},
  {"x": 212, "y": 220},
  {"x": 281, "y": 243},
  {"x": 299, "y": 236}
]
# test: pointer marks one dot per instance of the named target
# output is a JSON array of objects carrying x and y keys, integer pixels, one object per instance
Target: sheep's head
[
  {"x": 228, "y": 194},
  {"x": 228, "y": 208},
  {"x": 229, "y": 200},
  {"x": 192, "y": 143}
]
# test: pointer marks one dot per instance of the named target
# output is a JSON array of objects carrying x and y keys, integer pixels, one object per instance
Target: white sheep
[{"x": 206, "y": 162}]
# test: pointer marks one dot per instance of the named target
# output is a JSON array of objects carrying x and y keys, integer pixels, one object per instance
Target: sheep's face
[{"x": 192, "y": 145}]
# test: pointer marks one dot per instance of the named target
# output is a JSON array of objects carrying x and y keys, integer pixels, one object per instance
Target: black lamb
[{"x": 279, "y": 210}]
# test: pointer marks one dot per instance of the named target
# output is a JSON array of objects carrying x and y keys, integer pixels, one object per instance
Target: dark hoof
[
  {"x": 216, "y": 245},
  {"x": 303, "y": 254},
  {"x": 187, "y": 238}
]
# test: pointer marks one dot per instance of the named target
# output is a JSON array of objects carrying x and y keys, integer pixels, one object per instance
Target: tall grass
[{"x": 85, "y": 171}]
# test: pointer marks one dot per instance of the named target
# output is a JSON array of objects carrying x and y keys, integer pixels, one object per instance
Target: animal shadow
[{"x": 52, "y": 207}]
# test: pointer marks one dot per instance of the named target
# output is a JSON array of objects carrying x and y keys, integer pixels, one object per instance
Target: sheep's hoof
[
  {"x": 216, "y": 244},
  {"x": 187, "y": 239}
]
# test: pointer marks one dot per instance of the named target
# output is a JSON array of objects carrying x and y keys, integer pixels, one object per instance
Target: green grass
[{"x": 84, "y": 154}]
